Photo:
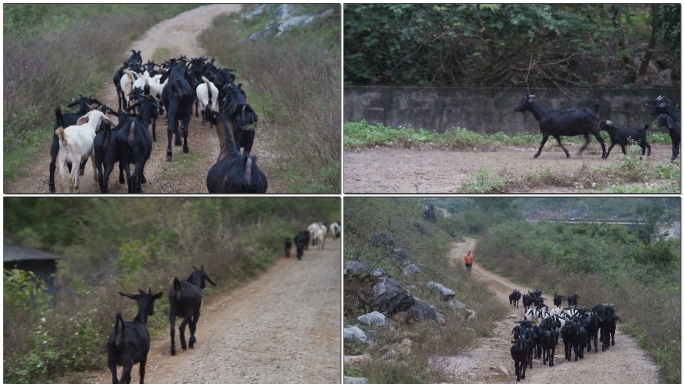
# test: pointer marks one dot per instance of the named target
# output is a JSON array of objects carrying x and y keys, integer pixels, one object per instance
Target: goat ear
[
  {"x": 193, "y": 267},
  {"x": 157, "y": 295},
  {"x": 82, "y": 120}
]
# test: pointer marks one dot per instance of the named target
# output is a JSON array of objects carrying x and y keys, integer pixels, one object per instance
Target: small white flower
[
  {"x": 43, "y": 319},
  {"x": 44, "y": 341}
]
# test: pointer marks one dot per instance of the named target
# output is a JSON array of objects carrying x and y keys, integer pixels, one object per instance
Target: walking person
[{"x": 468, "y": 260}]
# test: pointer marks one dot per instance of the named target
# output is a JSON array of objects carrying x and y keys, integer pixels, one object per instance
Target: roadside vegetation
[
  {"x": 54, "y": 52},
  {"x": 428, "y": 248},
  {"x": 632, "y": 268},
  {"x": 112, "y": 245},
  {"x": 293, "y": 81}
]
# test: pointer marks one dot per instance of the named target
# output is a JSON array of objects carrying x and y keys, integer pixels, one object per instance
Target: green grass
[
  {"x": 161, "y": 54},
  {"x": 364, "y": 135},
  {"x": 483, "y": 181},
  {"x": 183, "y": 164}
]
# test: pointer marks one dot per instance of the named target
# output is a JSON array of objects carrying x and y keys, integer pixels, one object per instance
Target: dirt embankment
[
  {"x": 283, "y": 327},
  {"x": 624, "y": 363},
  {"x": 186, "y": 173},
  {"x": 391, "y": 170}
]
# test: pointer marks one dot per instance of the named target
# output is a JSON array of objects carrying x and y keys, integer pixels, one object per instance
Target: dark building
[{"x": 42, "y": 264}]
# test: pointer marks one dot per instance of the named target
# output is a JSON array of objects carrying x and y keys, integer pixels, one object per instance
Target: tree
[{"x": 650, "y": 218}]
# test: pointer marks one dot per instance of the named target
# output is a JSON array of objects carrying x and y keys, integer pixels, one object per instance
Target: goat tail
[
  {"x": 60, "y": 135},
  {"x": 248, "y": 171},
  {"x": 118, "y": 330},
  {"x": 208, "y": 84},
  {"x": 131, "y": 134},
  {"x": 177, "y": 287}
]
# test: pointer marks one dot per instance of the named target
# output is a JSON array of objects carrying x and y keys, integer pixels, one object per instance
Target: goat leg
[
  {"x": 544, "y": 138},
  {"x": 567, "y": 154},
  {"x": 172, "y": 320},
  {"x": 193, "y": 326},
  {"x": 142, "y": 369}
]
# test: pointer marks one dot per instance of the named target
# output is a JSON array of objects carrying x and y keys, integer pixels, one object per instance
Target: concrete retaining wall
[{"x": 490, "y": 110}]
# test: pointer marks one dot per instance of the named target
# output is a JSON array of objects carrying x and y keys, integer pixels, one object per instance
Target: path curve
[
  {"x": 283, "y": 327},
  {"x": 624, "y": 363}
]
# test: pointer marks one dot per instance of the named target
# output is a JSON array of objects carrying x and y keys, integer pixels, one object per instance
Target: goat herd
[
  {"x": 583, "y": 121},
  {"x": 537, "y": 335},
  {"x": 170, "y": 89},
  {"x": 129, "y": 342},
  {"x": 316, "y": 233}
]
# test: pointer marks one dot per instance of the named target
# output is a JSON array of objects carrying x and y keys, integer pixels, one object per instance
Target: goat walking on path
[
  {"x": 185, "y": 300},
  {"x": 562, "y": 122},
  {"x": 129, "y": 342}
]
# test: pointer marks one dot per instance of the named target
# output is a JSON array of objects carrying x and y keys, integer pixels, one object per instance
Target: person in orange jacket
[{"x": 468, "y": 260}]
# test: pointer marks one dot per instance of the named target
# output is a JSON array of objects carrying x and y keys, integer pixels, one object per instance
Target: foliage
[
  {"x": 529, "y": 45},
  {"x": 22, "y": 290},
  {"x": 669, "y": 25},
  {"x": 483, "y": 181}
]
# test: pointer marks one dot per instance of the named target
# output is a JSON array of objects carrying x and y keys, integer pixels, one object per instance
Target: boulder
[
  {"x": 422, "y": 310},
  {"x": 355, "y": 361},
  {"x": 354, "y": 268},
  {"x": 410, "y": 270},
  {"x": 444, "y": 293},
  {"x": 389, "y": 297},
  {"x": 456, "y": 304},
  {"x": 355, "y": 380},
  {"x": 374, "y": 318},
  {"x": 382, "y": 239},
  {"x": 399, "y": 254},
  {"x": 354, "y": 334}
]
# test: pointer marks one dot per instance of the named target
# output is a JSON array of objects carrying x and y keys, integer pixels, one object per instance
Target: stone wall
[{"x": 490, "y": 110}]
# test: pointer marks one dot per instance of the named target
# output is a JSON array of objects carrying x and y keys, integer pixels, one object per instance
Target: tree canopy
[{"x": 509, "y": 45}]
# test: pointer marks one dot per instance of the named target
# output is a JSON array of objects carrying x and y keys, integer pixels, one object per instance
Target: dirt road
[
  {"x": 391, "y": 170},
  {"x": 623, "y": 363},
  {"x": 283, "y": 327},
  {"x": 187, "y": 172}
]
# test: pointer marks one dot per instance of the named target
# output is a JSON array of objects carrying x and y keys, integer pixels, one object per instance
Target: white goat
[
  {"x": 205, "y": 97},
  {"x": 335, "y": 229},
  {"x": 127, "y": 80},
  {"x": 76, "y": 145},
  {"x": 317, "y": 232}
]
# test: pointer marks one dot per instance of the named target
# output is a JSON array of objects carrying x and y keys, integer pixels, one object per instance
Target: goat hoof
[
  {"x": 184, "y": 347},
  {"x": 52, "y": 187},
  {"x": 186, "y": 149},
  {"x": 80, "y": 172}
]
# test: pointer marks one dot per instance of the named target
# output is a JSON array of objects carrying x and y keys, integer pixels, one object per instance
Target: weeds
[{"x": 483, "y": 181}]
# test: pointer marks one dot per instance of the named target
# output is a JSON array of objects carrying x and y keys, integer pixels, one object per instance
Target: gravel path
[
  {"x": 624, "y": 363},
  {"x": 283, "y": 327}
]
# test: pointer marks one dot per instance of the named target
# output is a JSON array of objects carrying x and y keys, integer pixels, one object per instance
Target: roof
[{"x": 12, "y": 252}]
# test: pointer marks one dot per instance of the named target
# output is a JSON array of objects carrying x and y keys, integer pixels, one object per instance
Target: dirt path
[
  {"x": 283, "y": 327},
  {"x": 187, "y": 172},
  {"x": 391, "y": 170},
  {"x": 624, "y": 363}
]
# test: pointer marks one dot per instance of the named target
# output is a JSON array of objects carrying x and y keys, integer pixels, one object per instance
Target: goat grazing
[
  {"x": 234, "y": 172},
  {"x": 624, "y": 136},
  {"x": 661, "y": 106},
  {"x": 129, "y": 342},
  {"x": 288, "y": 246},
  {"x": 675, "y": 131},
  {"x": 185, "y": 300},
  {"x": 514, "y": 297},
  {"x": 562, "y": 122},
  {"x": 76, "y": 144}
]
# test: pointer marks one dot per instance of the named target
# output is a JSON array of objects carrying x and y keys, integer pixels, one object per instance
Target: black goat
[
  {"x": 178, "y": 97},
  {"x": 129, "y": 342},
  {"x": 591, "y": 324},
  {"x": 572, "y": 299},
  {"x": 69, "y": 119},
  {"x": 300, "y": 242},
  {"x": 519, "y": 353},
  {"x": 514, "y": 297},
  {"x": 234, "y": 172},
  {"x": 104, "y": 142},
  {"x": 233, "y": 103},
  {"x": 134, "y": 144},
  {"x": 661, "y": 106},
  {"x": 604, "y": 314},
  {"x": 549, "y": 340},
  {"x": 185, "y": 300},
  {"x": 288, "y": 246},
  {"x": 675, "y": 131},
  {"x": 562, "y": 122},
  {"x": 557, "y": 300},
  {"x": 624, "y": 136}
]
